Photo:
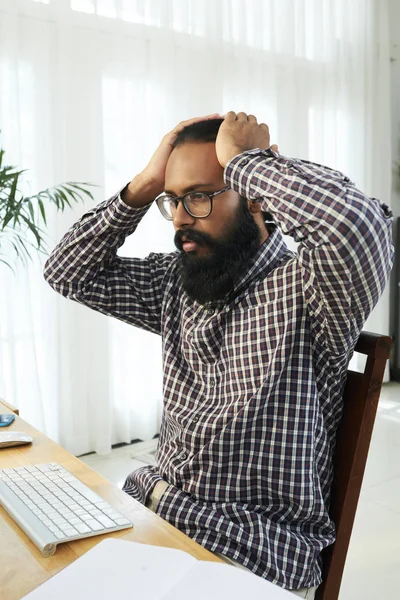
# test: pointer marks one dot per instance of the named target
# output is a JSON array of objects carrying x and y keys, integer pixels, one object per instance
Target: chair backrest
[{"x": 361, "y": 397}]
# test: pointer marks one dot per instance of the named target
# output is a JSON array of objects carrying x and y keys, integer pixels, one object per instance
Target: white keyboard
[{"x": 53, "y": 506}]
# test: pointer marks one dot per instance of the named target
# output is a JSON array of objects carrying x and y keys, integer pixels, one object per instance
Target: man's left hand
[{"x": 238, "y": 133}]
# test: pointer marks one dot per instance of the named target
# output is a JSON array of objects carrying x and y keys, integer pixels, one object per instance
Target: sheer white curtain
[{"x": 87, "y": 89}]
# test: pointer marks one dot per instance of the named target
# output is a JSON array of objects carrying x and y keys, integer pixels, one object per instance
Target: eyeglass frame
[{"x": 211, "y": 197}]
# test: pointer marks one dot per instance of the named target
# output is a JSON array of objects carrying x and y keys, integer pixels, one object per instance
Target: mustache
[{"x": 189, "y": 235}]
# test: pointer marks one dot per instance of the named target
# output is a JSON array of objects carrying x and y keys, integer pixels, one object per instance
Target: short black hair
[{"x": 203, "y": 131}]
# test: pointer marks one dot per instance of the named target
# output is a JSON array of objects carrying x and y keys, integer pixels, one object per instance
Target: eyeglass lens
[{"x": 197, "y": 204}]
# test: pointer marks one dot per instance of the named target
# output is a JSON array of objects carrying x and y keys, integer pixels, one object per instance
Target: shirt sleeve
[
  {"x": 85, "y": 267},
  {"x": 345, "y": 238}
]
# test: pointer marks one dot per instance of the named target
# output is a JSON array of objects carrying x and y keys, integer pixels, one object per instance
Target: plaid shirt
[{"x": 252, "y": 385}]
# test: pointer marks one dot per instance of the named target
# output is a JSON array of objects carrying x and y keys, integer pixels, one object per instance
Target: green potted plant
[{"x": 22, "y": 217}]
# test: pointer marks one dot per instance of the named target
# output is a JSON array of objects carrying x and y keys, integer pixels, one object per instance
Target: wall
[{"x": 394, "y": 24}]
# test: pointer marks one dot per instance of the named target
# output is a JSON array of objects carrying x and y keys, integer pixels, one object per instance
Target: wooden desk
[{"x": 23, "y": 568}]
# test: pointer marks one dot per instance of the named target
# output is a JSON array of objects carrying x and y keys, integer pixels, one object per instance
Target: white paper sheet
[
  {"x": 117, "y": 569},
  {"x": 120, "y": 569}
]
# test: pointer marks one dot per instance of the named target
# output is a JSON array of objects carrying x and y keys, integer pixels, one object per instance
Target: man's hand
[
  {"x": 240, "y": 132},
  {"x": 146, "y": 186},
  {"x": 155, "y": 170}
]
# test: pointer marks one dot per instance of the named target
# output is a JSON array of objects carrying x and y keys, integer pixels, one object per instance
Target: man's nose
[{"x": 182, "y": 218}]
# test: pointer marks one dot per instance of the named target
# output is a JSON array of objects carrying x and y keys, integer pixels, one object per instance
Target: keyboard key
[
  {"x": 105, "y": 521},
  {"x": 84, "y": 491},
  {"x": 68, "y": 478},
  {"x": 102, "y": 504},
  {"x": 82, "y": 528},
  {"x": 86, "y": 517},
  {"x": 111, "y": 512},
  {"x": 66, "y": 528},
  {"x": 63, "y": 523},
  {"x": 94, "y": 525},
  {"x": 43, "y": 468},
  {"x": 114, "y": 515},
  {"x": 53, "y": 528},
  {"x": 122, "y": 521}
]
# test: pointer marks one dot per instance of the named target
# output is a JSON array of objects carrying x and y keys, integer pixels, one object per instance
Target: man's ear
[{"x": 254, "y": 207}]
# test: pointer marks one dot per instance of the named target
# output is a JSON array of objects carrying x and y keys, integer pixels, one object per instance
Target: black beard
[{"x": 210, "y": 278}]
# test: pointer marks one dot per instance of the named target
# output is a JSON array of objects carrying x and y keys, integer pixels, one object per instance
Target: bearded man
[{"x": 256, "y": 338}]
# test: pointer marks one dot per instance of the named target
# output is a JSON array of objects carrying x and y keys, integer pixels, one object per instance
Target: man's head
[{"x": 227, "y": 238}]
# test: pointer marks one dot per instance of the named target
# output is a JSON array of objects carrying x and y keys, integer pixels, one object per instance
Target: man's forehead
[{"x": 192, "y": 165}]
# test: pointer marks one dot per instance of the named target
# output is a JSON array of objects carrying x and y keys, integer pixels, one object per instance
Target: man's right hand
[{"x": 149, "y": 184}]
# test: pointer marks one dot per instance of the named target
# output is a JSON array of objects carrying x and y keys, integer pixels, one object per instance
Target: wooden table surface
[{"x": 22, "y": 566}]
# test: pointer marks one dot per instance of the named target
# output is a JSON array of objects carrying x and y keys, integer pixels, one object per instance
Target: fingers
[
  {"x": 230, "y": 116},
  {"x": 275, "y": 148},
  {"x": 241, "y": 116}
]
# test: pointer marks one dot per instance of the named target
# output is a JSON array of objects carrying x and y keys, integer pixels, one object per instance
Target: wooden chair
[{"x": 361, "y": 397}]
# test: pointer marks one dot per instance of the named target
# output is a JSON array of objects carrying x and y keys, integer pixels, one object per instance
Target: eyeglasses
[{"x": 196, "y": 204}]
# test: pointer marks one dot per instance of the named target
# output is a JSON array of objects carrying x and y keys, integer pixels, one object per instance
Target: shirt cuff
[
  {"x": 244, "y": 158},
  {"x": 119, "y": 215},
  {"x": 240, "y": 170}
]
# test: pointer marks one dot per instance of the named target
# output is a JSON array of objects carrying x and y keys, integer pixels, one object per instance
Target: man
[{"x": 256, "y": 338}]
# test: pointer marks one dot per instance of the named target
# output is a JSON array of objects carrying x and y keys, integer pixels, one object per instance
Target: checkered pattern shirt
[{"x": 253, "y": 384}]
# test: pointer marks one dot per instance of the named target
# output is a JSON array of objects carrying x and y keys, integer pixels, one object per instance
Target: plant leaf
[
  {"x": 33, "y": 229},
  {"x": 42, "y": 211}
]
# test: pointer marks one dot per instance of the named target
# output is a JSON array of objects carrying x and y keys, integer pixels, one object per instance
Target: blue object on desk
[{"x": 6, "y": 420}]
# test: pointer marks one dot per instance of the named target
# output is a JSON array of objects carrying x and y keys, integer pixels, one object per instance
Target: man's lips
[{"x": 189, "y": 246}]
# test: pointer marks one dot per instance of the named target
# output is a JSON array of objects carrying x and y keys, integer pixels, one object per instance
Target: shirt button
[
  {"x": 210, "y": 311},
  {"x": 387, "y": 212},
  {"x": 195, "y": 419},
  {"x": 183, "y": 455},
  {"x": 212, "y": 382}
]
